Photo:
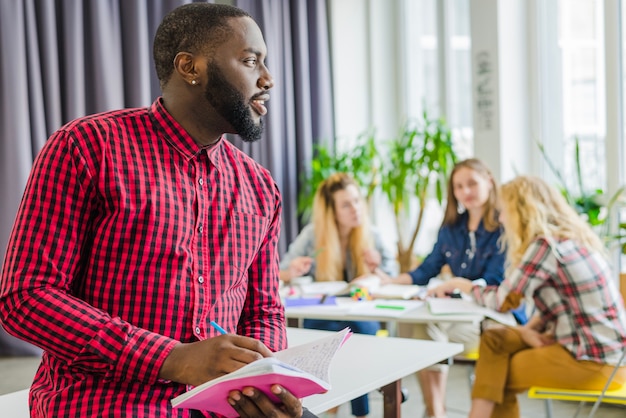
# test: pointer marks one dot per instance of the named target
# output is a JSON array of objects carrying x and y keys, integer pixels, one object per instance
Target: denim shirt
[{"x": 453, "y": 247}]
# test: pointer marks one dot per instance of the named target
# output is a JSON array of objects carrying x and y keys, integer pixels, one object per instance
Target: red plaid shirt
[{"x": 131, "y": 237}]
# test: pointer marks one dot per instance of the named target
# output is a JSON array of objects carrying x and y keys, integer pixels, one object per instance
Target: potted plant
[
  {"x": 361, "y": 161},
  {"x": 410, "y": 168},
  {"x": 416, "y": 167},
  {"x": 595, "y": 205}
]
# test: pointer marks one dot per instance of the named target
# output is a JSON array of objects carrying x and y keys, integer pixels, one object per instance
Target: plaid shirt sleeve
[{"x": 43, "y": 257}]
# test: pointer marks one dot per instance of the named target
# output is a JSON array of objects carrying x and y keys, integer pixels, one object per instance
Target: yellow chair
[{"x": 617, "y": 396}]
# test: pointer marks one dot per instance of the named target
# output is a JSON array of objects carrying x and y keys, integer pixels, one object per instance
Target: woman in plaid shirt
[{"x": 578, "y": 331}]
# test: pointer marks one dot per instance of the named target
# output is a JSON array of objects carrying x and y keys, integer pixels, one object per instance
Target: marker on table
[
  {"x": 217, "y": 327},
  {"x": 397, "y": 307}
]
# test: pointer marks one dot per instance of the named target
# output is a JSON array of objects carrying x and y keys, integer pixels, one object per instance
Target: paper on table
[
  {"x": 398, "y": 291},
  {"x": 370, "y": 282},
  {"x": 339, "y": 308},
  {"x": 309, "y": 301},
  {"x": 324, "y": 288},
  {"x": 303, "y": 370},
  {"x": 443, "y": 306},
  {"x": 384, "y": 308}
]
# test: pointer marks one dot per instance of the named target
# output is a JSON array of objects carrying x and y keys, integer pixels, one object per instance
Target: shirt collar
[
  {"x": 179, "y": 138},
  {"x": 463, "y": 219}
]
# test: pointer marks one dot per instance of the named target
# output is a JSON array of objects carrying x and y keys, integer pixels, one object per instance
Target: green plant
[
  {"x": 419, "y": 160},
  {"x": 409, "y": 168},
  {"x": 593, "y": 205},
  {"x": 361, "y": 161}
]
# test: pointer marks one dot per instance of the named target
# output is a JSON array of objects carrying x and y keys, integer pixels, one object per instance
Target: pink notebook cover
[
  {"x": 213, "y": 399},
  {"x": 285, "y": 368}
]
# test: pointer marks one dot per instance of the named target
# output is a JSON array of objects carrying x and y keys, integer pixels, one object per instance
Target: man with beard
[{"x": 139, "y": 227}]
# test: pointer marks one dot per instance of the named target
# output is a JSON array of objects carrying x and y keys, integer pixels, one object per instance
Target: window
[
  {"x": 438, "y": 77},
  {"x": 575, "y": 55}
]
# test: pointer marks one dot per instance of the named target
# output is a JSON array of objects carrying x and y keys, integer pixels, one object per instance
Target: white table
[
  {"x": 15, "y": 405},
  {"x": 343, "y": 312},
  {"x": 366, "y": 363}
]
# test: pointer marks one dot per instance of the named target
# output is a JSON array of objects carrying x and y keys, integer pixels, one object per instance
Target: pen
[
  {"x": 316, "y": 253},
  {"x": 217, "y": 327},
  {"x": 390, "y": 307}
]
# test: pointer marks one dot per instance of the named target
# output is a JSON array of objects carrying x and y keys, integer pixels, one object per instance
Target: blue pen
[{"x": 217, "y": 327}]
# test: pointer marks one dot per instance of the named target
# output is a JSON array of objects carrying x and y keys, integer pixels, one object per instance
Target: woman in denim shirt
[
  {"x": 468, "y": 244},
  {"x": 474, "y": 258}
]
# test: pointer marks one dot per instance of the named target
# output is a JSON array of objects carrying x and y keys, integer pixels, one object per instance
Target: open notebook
[
  {"x": 449, "y": 306},
  {"x": 303, "y": 370}
]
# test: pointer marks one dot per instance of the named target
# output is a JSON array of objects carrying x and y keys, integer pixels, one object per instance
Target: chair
[{"x": 617, "y": 396}]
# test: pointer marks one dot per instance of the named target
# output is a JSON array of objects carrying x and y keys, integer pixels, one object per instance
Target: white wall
[
  {"x": 365, "y": 50},
  {"x": 369, "y": 91},
  {"x": 500, "y": 85}
]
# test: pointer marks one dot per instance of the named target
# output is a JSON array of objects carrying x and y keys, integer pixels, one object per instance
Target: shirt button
[
  {"x": 201, "y": 279},
  {"x": 463, "y": 265},
  {"x": 448, "y": 253},
  {"x": 201, "y": 182},
  {"x": 200, "y": 228},
  {"x": 198, "y": 330}
]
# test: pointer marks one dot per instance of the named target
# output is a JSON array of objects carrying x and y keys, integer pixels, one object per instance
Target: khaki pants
[
  {"x": 463, "y": 333},
  {"x": 507, "y": 366}
]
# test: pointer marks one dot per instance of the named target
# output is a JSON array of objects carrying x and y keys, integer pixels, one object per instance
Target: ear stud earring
[{"x": 194, "y": 82}]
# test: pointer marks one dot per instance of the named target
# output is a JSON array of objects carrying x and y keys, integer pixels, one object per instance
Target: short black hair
[{"x": 191, "y": 28}]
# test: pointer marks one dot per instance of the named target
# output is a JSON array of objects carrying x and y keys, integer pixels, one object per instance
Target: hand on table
[
  {"x": 198, "y": 362},
  {"x": 252, "y": 403},
  {"x": 449, "y": 286},
  {"x": 403, "y": 278},
  {"x": 384, "y": 277}
]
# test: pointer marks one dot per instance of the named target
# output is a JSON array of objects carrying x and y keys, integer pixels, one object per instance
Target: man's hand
[
  {"x": 252, "y": 403},
  {"x": 196, "y": 363}
]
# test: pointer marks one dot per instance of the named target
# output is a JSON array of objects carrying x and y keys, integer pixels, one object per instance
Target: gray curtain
[
  {"x": 63, "y": 59},
  {"x": 300, "y": 108}
]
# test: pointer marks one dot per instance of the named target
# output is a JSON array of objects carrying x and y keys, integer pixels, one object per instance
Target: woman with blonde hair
[
  {"x": 339, "y": 245},
  {"x": 556, "y": 262}
]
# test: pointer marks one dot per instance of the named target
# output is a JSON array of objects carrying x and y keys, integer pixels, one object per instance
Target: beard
[{"x": 231, "y": 105}]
